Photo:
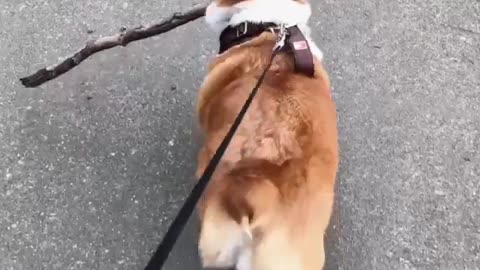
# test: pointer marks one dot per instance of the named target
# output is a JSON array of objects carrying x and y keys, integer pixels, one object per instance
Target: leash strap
[{"x": 176, "y": 227}]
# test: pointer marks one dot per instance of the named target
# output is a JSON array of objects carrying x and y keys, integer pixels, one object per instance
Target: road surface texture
[{"x": 94, "y": 165}]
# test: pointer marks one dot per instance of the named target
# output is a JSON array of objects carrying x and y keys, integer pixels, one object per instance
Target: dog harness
[{"x": 295, "y": 42}]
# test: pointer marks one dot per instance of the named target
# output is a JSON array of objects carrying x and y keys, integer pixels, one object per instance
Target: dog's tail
[{"x": 271, "y": 212}]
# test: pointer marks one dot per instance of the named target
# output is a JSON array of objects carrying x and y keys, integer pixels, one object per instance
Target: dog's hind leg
[{"x": 222, "y": 239}]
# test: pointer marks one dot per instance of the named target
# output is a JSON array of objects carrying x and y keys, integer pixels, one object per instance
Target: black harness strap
[
  {"x": 235, "y": 35},
  {"x": 176, "y": 227}
]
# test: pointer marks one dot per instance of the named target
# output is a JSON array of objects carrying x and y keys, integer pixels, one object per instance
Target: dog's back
[{"x": 269, "y": 202}]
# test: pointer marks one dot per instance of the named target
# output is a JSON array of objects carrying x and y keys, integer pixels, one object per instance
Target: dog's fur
[{"x": 269, "y": 202}]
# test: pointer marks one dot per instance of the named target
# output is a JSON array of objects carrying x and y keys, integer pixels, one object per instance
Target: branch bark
[{"x": 121, "y": 39}]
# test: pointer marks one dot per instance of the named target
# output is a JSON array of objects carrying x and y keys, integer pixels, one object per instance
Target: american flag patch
[{"x": 300, "y": 45}]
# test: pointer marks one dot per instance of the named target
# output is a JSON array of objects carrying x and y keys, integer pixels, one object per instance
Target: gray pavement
[{"x": 94, "y": 165}]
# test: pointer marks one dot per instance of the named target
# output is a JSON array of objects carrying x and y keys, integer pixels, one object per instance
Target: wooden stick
[{"x": 121, "y": 39}]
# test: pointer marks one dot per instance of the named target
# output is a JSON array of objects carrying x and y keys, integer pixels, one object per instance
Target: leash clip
[{"x": 281, "y": 36}]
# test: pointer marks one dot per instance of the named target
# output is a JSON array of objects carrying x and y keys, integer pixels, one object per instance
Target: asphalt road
[{"x": 94, "y": 165}]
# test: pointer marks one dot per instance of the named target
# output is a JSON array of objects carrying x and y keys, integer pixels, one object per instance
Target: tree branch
[{"x": 104, "y": 43}]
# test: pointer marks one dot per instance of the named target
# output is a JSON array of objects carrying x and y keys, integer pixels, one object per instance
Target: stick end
[{"x": 35, "y": 80}]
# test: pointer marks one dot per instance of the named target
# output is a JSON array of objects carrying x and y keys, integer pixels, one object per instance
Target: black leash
[{"x": 176, "y": 227}]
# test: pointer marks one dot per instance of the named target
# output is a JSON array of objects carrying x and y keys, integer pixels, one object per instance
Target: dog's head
[{"x": 222, "y": 13}]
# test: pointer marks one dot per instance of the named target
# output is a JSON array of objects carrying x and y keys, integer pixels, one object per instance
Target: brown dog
[{"x": 269, "y": 202}]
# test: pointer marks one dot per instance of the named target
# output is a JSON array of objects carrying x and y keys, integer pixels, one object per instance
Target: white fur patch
[
  {"x": 244, "y": 261},
  {"x": 286, "y": 12},
  {"x": 222, "y": 245},
  {"x": 218, "y": 18}
]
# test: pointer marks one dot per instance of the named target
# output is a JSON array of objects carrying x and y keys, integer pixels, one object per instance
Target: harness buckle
[{"x": 242, "y": 29}]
